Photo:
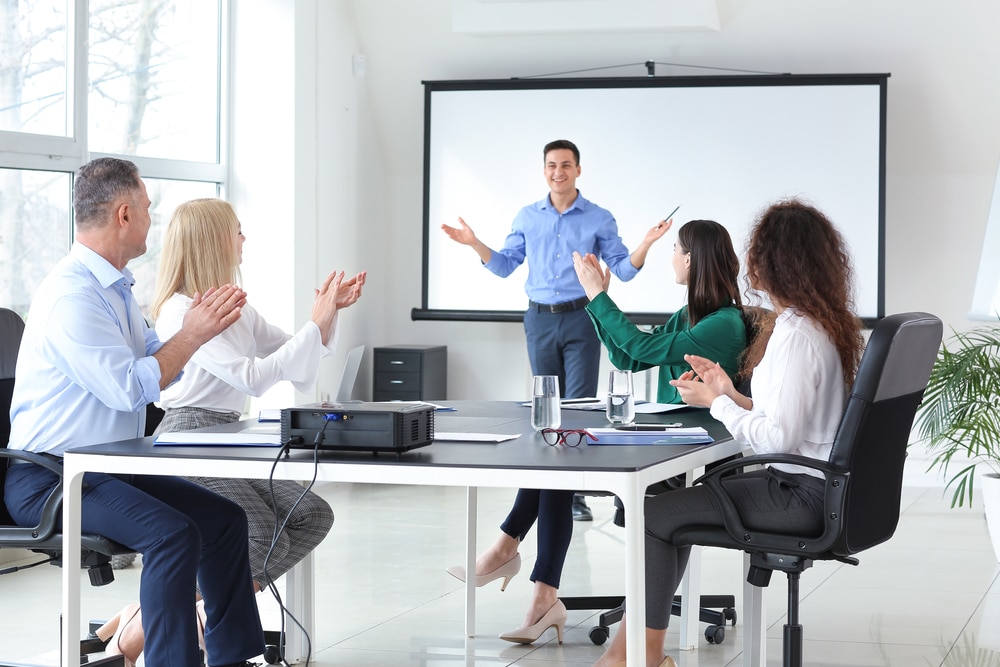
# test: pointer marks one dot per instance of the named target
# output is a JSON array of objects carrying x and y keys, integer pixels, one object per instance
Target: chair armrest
[
  {"x": 762, "y": 459},
  {"x": 50, "y": 521},
  {"x": 836, "y": 478}
]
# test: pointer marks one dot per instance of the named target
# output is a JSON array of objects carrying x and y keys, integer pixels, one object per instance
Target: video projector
[{"x": 358, "y": 427}]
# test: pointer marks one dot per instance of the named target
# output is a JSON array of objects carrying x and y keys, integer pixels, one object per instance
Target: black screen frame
[{"x": 645, "y": 318}]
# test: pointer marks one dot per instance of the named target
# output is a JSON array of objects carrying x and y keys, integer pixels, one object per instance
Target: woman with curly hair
[{"x": 802, "y": 370}]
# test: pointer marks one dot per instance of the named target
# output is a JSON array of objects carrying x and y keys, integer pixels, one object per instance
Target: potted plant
[{"x": 960, "y": 418}]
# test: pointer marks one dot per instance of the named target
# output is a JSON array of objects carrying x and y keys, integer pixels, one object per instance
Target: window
[{"x": 149, "y": 89}]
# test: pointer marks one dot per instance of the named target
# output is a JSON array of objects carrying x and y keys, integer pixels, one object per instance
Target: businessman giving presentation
[{"x": 561, "y": 338}]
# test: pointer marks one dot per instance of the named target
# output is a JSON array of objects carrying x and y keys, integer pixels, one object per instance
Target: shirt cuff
[{"x": 721, "y": 406}]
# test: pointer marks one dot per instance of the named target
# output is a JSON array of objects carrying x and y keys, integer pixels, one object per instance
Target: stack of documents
[{"x": 667, "y": 435}]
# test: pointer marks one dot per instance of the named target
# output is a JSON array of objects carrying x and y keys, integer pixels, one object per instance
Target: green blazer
[{"x": 720, "y": 337}]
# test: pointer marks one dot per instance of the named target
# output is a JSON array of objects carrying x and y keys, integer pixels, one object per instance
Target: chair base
[{"x": 716, "y": 610}]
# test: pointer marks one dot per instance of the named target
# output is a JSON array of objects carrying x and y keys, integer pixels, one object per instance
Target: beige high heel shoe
[
  {"x": 127, "y": 638},
  {"x": 507, "y": 571},
  {"x": 555, "y": 617}
]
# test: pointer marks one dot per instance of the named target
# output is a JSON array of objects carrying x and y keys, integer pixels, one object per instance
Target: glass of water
[
  {"x": 545, "y": 412},
  {"x": 621, "y": 402}
]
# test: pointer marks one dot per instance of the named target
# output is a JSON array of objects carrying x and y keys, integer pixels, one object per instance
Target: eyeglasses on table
[{"x": 571, "y": 437}]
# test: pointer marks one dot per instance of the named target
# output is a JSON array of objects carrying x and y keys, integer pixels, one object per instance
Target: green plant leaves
[{"x": 960, "y": 414}]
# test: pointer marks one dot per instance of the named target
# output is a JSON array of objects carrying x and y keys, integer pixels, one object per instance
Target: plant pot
[{"x": 990, "y": 485}]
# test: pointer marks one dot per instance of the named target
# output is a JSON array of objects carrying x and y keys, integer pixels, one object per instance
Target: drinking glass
[
  {"x": 545, "y": 412},
  {"x": 621, "y": 402}
]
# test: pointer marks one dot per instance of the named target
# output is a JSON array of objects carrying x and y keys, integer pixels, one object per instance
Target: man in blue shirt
[
  {"x": 561, "y": 338},
  {"x": 87, "y": 367}
]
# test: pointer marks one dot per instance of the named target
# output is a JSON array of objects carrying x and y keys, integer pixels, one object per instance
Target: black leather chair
[
  {"x": 864, "y": 475},
  {"x": 46, "y": 537}
]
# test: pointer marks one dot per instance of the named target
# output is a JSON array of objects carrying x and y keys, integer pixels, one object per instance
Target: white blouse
[
  {"x": 798, "y": 395},
  {"x": 249, "y": 357}
]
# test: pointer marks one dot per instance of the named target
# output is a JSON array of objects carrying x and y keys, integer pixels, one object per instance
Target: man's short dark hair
[
  {"x": 98, "y": 184},
  {"x": 561, "y": 144}
]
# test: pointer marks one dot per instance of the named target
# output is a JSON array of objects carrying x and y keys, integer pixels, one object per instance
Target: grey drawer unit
[{"x": 411, "y": 373}]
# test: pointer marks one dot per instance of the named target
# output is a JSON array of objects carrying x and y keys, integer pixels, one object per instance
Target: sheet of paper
[
  {"x": 269, "y": 415},
  {"x": 248, "y": 434},
  {"x": 666, "y": 436},
  {"x": 475, "y": 437},
  {"x": 437, "y": 407}
]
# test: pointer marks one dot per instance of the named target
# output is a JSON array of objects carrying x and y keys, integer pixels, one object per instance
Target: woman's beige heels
[
  {"x": 507, "y": 571},
  {"x": 555, "y": 617},
  {"x": 124, "y": 634}
]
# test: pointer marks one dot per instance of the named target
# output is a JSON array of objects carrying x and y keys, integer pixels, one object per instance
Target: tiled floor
[{"x": 930, "y": 596}]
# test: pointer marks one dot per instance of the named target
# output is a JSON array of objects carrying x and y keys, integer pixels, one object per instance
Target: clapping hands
[
  {"x": 588, "y": 270},
  {"x": 705, "y": 382}
]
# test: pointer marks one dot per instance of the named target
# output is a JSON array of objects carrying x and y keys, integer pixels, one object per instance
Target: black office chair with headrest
[{"x": 864, "y": 475}]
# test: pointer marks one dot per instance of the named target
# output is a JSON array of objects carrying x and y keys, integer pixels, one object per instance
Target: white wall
[
  {"x": 943, "y": 140},
  {"x": 297, "y": 160}
]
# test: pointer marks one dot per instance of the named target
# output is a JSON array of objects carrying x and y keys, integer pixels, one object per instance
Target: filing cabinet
[{"x": 410, "y": 373}]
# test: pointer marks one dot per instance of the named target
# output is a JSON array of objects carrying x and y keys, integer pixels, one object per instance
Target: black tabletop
[{"x": 528, "y": 451}]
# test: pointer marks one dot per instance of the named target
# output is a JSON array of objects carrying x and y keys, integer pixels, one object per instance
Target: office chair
[
  {"x": 864, "y": 475},
  {"x": 46, "y": 537}
]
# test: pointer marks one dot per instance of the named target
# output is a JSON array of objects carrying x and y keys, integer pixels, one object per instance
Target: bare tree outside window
[
  {"x": 33, "y": 67},
  {"x": 154, "y": 93},
  {"x": 154, "y": 78}
]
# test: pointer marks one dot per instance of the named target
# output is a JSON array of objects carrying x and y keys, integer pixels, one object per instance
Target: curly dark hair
[{"x": 800, "y": 260}]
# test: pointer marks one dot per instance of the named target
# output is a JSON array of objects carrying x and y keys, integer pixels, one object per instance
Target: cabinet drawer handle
[
  {"x": 395, "y": 362},
  {"x": 395, "y": 382}
]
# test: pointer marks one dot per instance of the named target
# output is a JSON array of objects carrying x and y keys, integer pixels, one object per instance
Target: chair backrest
[
  {"x": 11, "y": 330},
  {"x": 875, "y": 430}
]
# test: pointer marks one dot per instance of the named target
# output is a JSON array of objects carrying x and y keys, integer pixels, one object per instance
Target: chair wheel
[
  {"x": 598, "y": 635},
  {"x": 271, "y": 655},
  {"x": 715, "y": 634},
  {"x": 730, "y": 614}
]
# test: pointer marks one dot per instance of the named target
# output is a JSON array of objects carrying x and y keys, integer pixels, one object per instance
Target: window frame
[{"x": 40, "y": 152}]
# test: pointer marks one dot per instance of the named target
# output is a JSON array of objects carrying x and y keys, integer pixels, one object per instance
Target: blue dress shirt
[
  {"x": 547, "y": 238},
  {"x": 84, "y": 371}
]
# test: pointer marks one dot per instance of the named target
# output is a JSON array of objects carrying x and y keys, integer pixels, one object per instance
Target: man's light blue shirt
[
  {"x": 84, "y": 371},
  {"x": 547, "y": 238}
]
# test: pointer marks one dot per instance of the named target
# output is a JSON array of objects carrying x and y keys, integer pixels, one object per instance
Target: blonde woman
[{"x": 203, "y": 248}]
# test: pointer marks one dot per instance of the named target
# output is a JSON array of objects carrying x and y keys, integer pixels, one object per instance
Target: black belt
[{"x": 564, "y": 307}]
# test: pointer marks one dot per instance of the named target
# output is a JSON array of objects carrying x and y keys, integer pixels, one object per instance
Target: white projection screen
[{"x": 721, "y": 148}]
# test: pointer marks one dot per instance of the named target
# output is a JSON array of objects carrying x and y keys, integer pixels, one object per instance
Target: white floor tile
[{"x": 930, "y": 596}]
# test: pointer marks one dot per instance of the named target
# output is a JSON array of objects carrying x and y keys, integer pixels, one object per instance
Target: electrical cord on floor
[{"x": 279, "y": 527}]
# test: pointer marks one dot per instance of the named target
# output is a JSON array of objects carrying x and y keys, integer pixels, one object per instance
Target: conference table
[{"x": 523, "y": 462}]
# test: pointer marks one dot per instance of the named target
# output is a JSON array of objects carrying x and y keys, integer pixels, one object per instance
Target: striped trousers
[{"x": 268, "y": 504}]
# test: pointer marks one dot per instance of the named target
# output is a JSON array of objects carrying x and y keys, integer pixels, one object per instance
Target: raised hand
[
  {"x": 466, "y": 236},
  {"x": 588, "y": 271},
  {"x": 325, "y": 304},
  {"x": 462, "y": 234},
  {"x": 350, "y": 290},
  {"x": 657, "y": 231}
]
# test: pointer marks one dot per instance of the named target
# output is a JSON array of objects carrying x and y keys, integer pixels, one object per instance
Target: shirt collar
[
  {"x": 102, "y": 269},
  {"x": 578, "y": 203}
]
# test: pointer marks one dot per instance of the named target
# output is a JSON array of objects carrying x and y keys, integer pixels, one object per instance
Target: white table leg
[
  {"x": 635, "y": 572},
  {"x": 471, "y": 519},
  {"x": 300, "y": 592},
  {"x": 72, "y": 488},
  {"x": 690, "y": 591},
  {"x": 754, "y": 628}
]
